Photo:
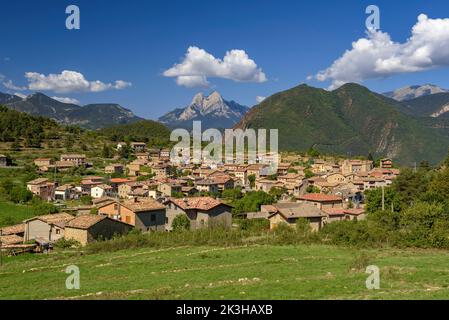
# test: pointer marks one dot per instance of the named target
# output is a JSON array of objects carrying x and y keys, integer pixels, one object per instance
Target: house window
[
  {"x": 58, "y": 231},
  {"x": 115, "y": 206},
  {"x": 166, "y": 220}
]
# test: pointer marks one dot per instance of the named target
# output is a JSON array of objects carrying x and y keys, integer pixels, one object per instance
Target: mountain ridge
[
  {"x": 90, "y": 116},
  {"x": 212, "y": 110},
  {"x": 349, "y": 120}
]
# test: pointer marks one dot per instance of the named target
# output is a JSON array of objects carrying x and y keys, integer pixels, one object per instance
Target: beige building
[
  {"x": 202, "y": 212},
  {"x": 290, "y": 212},
  {"x": 47, "y": 228},
  {"x": 88, "y": 228},
  {"x": 145, "y": 214},
  {"x": 322, "y": 201},
  {"x": 43, "y": 188},
  {"x": 77, "y": 159}
]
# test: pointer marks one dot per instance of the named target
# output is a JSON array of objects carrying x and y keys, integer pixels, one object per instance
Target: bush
[
  {"x": 66, "y": 244},
  {"x": 254, "y": 225},
  {"x": 181, "y": 222},
  {"x": 20, "y": 194}
]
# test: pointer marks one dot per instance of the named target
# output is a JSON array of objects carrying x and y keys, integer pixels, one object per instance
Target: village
[{"x": 151, "y": 192}]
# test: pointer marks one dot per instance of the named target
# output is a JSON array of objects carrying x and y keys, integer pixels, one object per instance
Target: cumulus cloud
[
  {"x": 70, "y": 81},
  {"x": 10, "y": 85},
  {"x": 378, "y": 56},
  {"x": 259, "y": 99},
  {"x": 66, "y": 100},
  {"x": 198, "y": 65}
]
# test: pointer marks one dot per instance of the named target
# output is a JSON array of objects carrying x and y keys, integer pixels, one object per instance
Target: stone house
[
  {"x": 43, "y": 188},
  {"x": 77, "y": 159},
  {"x": 146, "y": 214},
  {"x": 322, "y": 201},
  {"x": 207, "y": 185},
  {"x": 47, "y": 228},
  {"x": 202, "y": 212},
  {"x": 88, "y": 228},
  {"x": 102, "y": 190},
  {"x": 290, "y": 212},
  {"x": 115, "y": 168},
  {"x": 168, "y": 189}
]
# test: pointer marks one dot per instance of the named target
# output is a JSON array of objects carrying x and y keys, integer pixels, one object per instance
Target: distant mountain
[
  {"x": 434, "y": 105},
  {"x": 92, "y": 116},
  {"x": 412, "y": 92},
  {"x": 8, "y": 98},
  {"x": 351, "y": 120},
  {"x": 213, "y": 111}
]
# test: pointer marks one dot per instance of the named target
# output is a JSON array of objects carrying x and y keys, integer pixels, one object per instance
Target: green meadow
[{"x": 238, "y": 272}]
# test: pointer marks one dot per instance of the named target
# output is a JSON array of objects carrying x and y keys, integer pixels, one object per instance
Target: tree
[
  {"x": 252, "y": 180},
  {"x": 277, "y": 192},
  {"x": 312, "y": 152},
  {"x": 252, "y": 201},
  {"x": 308, "y": 174},
  {"x": 312, "y": 189},
  {"x": 181, "y": 223},
  {"x": 19, "y": 194},
  {"x": 107, "y": 151},
  {"x": 232, "y": 194}
]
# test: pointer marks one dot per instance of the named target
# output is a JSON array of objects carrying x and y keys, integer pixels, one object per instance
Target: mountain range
[
  {"x": 412, "y": 92},
  {"x": 350, "y": 120},
  {"x": 91, "y": 116},
  {"x": 212, "y": 110},
  {"x": 408, "y": 125}
]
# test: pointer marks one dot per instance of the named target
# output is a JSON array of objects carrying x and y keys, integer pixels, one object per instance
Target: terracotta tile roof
[
  {"x": 197, "y": 203},
  {"x": 119, "y": 180},
  {"x": 355, "y": 211},
  {"x": 54, "y": 218},
  {"x": 11, "y": 239},
  {"x": 297, "y": 210},
  {"x": 143, "y": 205},
  {"x": 18, "y": 228},
  {"x": 38, "y": 181},
  {"x": 335, "y": 211},
  {"x": 319, "y": 197},
  {"x": 85, "y": 221}
]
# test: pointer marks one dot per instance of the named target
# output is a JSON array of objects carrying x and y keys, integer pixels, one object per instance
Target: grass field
[
  {"x": 250, "y": 272},
  {"x": 11, "y": 213}
]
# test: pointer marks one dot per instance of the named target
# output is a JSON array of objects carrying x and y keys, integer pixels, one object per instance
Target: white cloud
[
  {"x": 198, "y": 65},
  {"x": 377, "y": 56},
  {"x": 20, "y": 95},
  {"x": 66, "y": 100},
  {"x": 259, "y": 99},
  {"x": 69, "y": 81},
  {"x": 10, "y": 85}
]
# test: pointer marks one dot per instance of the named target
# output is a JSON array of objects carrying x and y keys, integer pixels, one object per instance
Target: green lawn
[
  {"x": 253, "y": 272},
  {"x": 11, "y": 213}
]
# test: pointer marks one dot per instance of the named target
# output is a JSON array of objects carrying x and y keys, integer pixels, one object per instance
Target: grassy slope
[
  {"x": 11, "y": 213},
  {"x": 254, "y": 272}
]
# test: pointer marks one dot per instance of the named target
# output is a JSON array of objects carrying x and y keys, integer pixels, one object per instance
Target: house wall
[
  {"x": 151, "y": 220},
  {"x": 79, "y": 235},
  {"x": 40, "y": 229},
  {"x": 219, "y": 216}
]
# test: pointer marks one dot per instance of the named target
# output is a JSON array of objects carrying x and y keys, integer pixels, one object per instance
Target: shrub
[
  {"x": 181, "y": 222},
  {"x": 66, "y": 244}
]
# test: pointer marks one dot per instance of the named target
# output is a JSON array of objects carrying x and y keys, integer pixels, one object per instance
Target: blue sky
[{"x": 137, "y": 41}]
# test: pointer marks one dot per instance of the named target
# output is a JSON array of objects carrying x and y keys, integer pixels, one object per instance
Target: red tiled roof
[
  {"x": 319, "y": 197},
  {"x": 198, "y": 203}
]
